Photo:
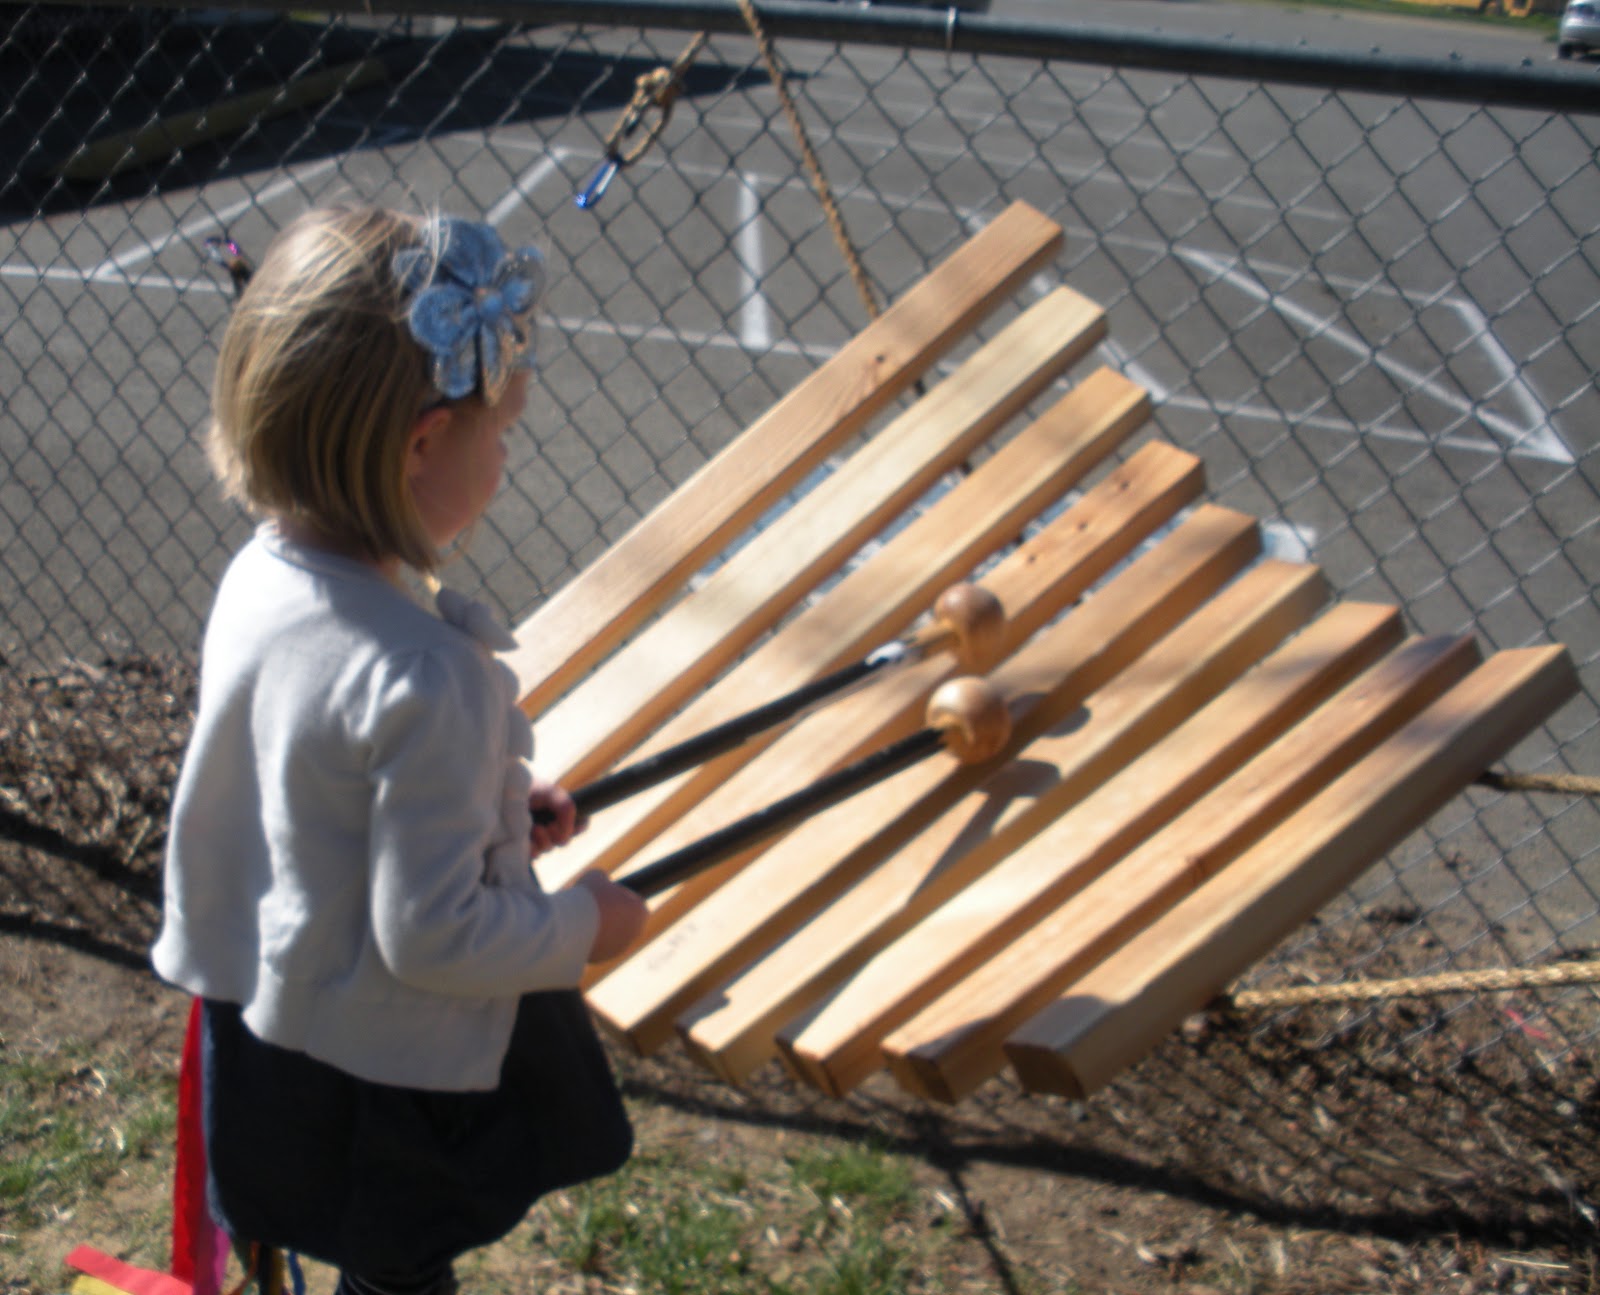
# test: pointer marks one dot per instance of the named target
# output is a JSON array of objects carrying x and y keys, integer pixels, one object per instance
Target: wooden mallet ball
[
  {"x": 970, "y": 621},
  {"x": 974, "y": 718}
]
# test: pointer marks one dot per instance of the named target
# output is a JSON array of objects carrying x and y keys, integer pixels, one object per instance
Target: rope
[
  {"x": 1493, "y": 981},
  {"x": 1576, "y": 784},
  {"x": 658, "y": 89},
  {"x": 819, "y": 181}
]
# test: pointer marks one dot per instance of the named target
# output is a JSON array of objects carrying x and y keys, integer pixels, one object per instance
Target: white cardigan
[{"x": 350, "y": 842}]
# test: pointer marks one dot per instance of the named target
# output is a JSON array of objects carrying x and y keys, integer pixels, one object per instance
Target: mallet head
[
  {"x": 974, "y": 717},
  {"x": 975, "y": 622}
]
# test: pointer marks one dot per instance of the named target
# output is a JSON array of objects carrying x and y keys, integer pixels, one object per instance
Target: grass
[
  {"x": 827, "y": 1221},
  {"x": 86, "y": 1144},
  {"x": 86, "y": 1140},
  {"x": 69, "y": 1122},
  {"x": 666, "y": 1230},
  {"x": 879, "y": 1183},
  {"x": 861, "y": 1194},
  {"x": 73, "y": 1123}
]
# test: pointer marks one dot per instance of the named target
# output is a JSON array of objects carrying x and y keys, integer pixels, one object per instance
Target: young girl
[{"x": 396, "y": 1061}]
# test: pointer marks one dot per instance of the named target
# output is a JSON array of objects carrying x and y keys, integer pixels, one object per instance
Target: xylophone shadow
[{"x": 1286, "y": 1121}]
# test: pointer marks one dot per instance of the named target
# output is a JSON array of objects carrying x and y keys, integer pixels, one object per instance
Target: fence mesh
[{"x": 1374, "y": 318}]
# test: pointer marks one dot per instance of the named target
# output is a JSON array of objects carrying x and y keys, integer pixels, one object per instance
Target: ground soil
[{"x": 1325, "y": 1150}]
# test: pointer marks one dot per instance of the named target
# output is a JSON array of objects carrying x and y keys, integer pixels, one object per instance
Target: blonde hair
[{"x": 319, "y": 382}]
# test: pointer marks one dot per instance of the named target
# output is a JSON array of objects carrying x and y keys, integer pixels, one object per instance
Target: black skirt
[{"x": 375, "y": 1179}]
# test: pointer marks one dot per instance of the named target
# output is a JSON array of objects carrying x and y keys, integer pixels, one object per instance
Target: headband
[{"x": 470, "y": 305}]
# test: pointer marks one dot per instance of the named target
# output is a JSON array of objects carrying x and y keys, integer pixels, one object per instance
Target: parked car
[{"x": 1580, "y": 29}]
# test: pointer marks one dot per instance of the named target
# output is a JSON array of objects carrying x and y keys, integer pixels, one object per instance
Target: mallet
[
  {"x": 967, "y": 619},
  {"x": 965, "y": 716}
]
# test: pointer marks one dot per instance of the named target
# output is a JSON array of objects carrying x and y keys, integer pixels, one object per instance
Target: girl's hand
[
  {"x": 562, "y": 814},
  {"x": 622, "y": 915}
]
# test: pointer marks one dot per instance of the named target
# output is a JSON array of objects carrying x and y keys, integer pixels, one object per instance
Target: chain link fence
[{"x": 1365, "y": 293}]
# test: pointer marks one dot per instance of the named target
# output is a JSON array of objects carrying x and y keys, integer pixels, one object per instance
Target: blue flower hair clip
[{"x": 471, "y": 305}]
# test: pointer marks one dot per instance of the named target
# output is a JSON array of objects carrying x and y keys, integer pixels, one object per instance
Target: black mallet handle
[
  {"x": 967, "y": 616},
  {"x": 618, "y": 785},
  {"x": 965, "y": 716}
]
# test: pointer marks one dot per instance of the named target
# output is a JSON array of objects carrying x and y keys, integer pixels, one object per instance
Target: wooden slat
[
  {"x": 954, "y": 1043},
  {"x": 799, "y": 874},
  {"x": 879, "y": 598},
  {"x": 674, "y": 657},
  {"x": 1209, "y": 547},
  {"x": 838, "y": 1045},
  {"x": 735, "y": 1028},
  {"x": 588, "y": 617},
  {"x": 1110, "y": 1018}
]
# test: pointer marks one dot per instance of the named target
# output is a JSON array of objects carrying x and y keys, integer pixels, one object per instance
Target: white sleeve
[{"x": 438, "y": 764}]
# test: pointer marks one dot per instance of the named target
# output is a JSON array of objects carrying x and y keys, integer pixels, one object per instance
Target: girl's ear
[{"x": 427, "y": 437}]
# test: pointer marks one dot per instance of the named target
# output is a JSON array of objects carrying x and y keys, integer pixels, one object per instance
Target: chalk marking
[
  {"x": 115, "y": 270},
  {"x": 755, "y": 320},
  {"x": 201, "y": 283},
  {"x": 1135, "y": 372},
  {"x": 1287, "y": 542},
  {"x": 1541, "y": 438},
  {"x": 526, "y": 183},
  {"x": 1521, "y": 439},
  {"x": 688, "y": 337}
]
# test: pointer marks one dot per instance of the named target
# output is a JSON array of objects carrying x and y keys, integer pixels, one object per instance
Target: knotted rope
[
  {"x": 819, "y": 180},
  {"x": 1490, "y": 981},
  {"x": 1575, "y": 784},
  {"x": 655, "y": 90}
]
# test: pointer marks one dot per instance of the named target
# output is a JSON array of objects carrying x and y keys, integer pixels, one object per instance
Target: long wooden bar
[{"x": 1112, "y": 1016}]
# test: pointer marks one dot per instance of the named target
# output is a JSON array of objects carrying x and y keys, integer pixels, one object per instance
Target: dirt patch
[{"x": 1329, "y": 1149}]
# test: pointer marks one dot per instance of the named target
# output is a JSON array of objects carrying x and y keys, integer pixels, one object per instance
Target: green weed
[
  {"x": 838, "y": 1222},
  {"x": 69, "y": 1121},
  {"x": 865, "y": 1177},
  {"x": 665, "y": 1227},
  {"x": 860, "y": 1194}
]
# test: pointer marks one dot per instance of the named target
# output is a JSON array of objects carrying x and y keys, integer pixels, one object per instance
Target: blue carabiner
[{"x": 597, "y": 186}]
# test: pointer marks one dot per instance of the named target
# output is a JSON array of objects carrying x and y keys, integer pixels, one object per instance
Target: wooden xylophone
[{"x": 1201, "y": 752}]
